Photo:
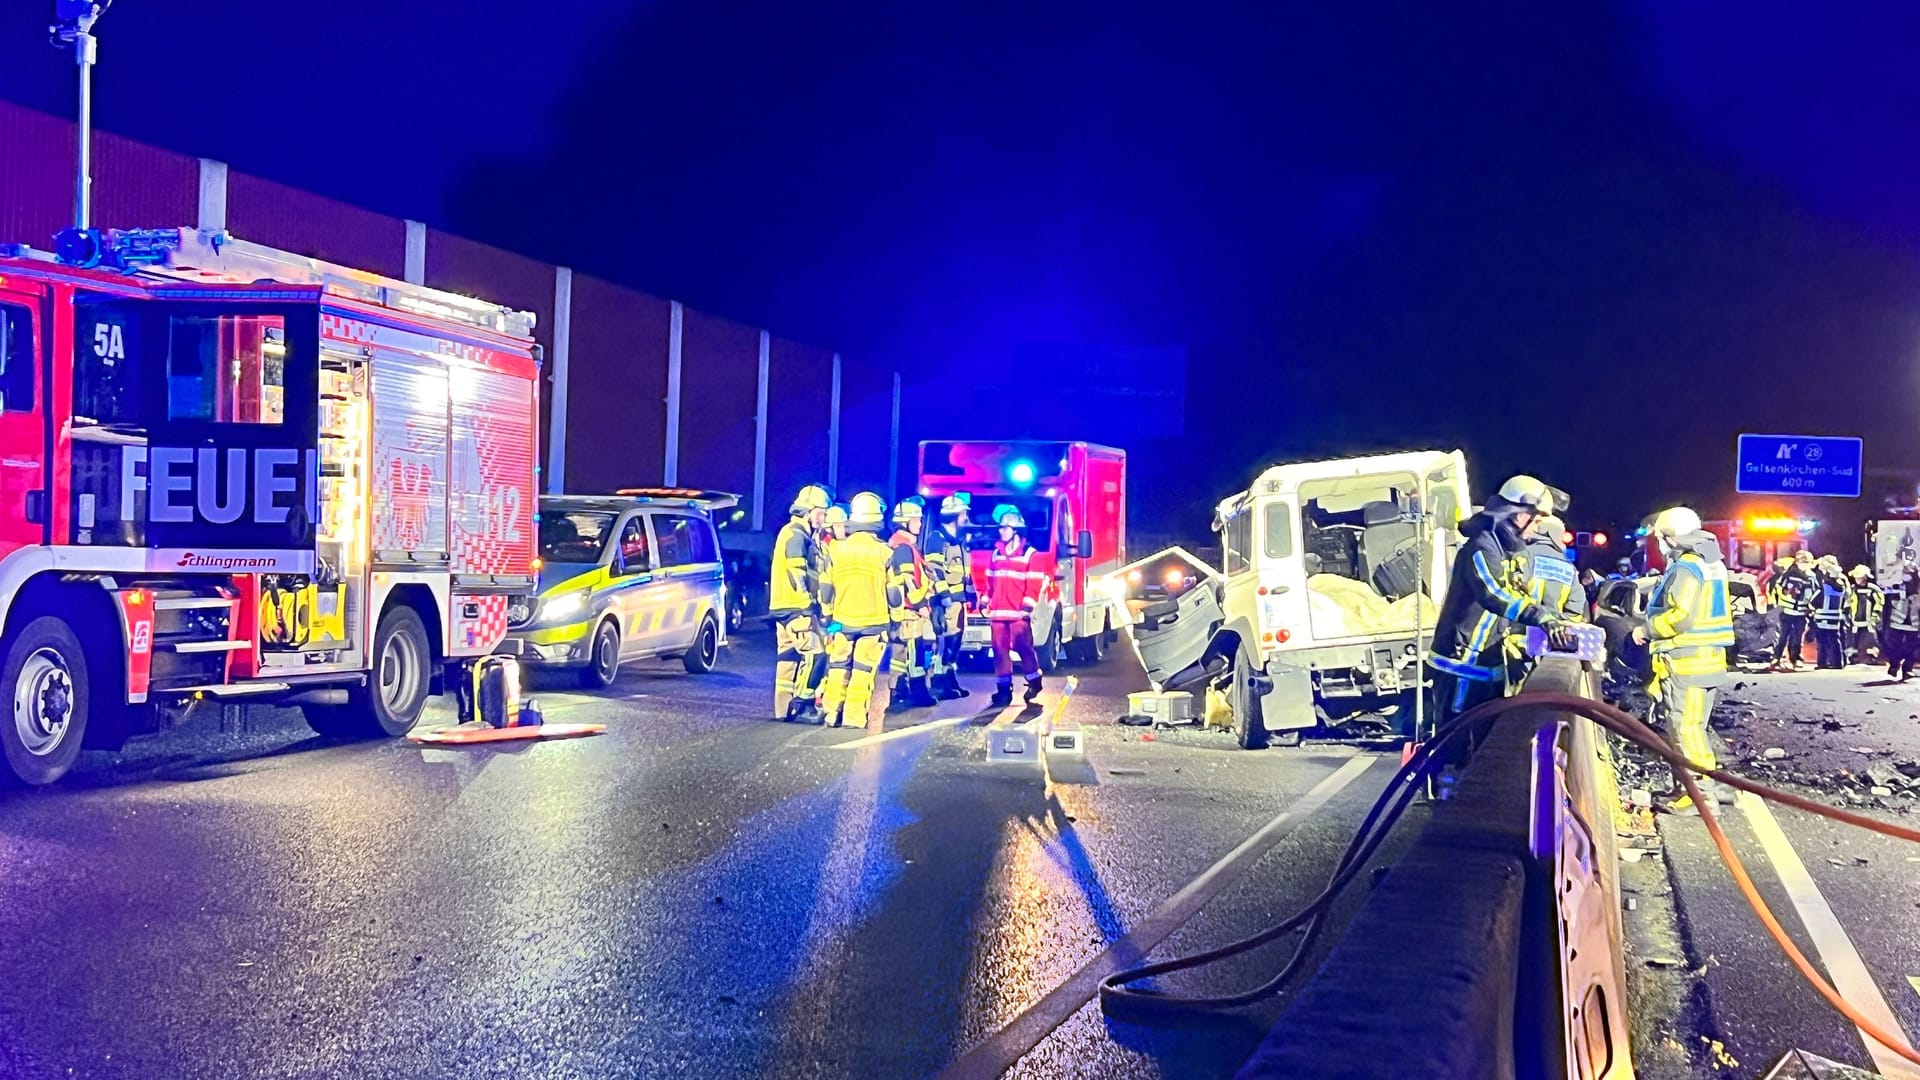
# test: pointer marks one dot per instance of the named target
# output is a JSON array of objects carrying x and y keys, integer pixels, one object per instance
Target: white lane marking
[
  {"x": 900, "y": 733},
  {"x": 1830, "y": 941},
  {"x": 1001, "y": 1050}
]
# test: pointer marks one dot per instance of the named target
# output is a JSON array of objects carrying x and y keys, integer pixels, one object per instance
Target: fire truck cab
[
  {"x": 1073, "y": 497},
  {"x": 229, "y": 473}
]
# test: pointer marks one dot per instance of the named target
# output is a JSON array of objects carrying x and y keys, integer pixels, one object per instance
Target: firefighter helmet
[
  {"x": 1531, "y": 494},
  {"x": 836, "y": 515},
  {"x": 1803, "y": 557},
  {"x": 1008, "y": 517},
  {"x": 1550, "y": 528},
  {"x": 1860, "y": 573},
  {"x": 867, "y": 510},
  {"x": 952, "y": 506},
  {"x": 1675, "y": 522},
  {"x": 811, "y": 497},
  {"x": 908, "y": 510}
]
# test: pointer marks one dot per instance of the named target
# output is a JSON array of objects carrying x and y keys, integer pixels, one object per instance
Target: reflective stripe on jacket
[
  {"x": 794, "y": 584},
  {"x": 856, "y": 591},
  {"x": 1486, "y": 593},
  {"x": 1689, "y": 621},
  {"x": 946, "y": 557},
  {"x": 1792, "y": 591},
  {"x": 1013, "y": 585},
  {"x": 1552, "y": 581},
  {"x": 1830, "y": 610},
  {"x": 1902, "y": 610},
  {"x": 1868, "y": 599},
  {"x": 907, "y": 574}
]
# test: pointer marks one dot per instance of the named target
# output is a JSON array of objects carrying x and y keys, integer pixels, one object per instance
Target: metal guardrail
[{"x": 1461, "y": 961}]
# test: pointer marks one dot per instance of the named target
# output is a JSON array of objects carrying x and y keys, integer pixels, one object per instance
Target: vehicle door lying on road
[
  {"x": 690, "y": 562},
  {"x": 631, "y": 577}
]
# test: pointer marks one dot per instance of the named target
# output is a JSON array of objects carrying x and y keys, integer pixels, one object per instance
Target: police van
[{"x": 633, "y": 576}]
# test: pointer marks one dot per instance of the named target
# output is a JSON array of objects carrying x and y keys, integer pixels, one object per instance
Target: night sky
[{"x": 1590, "y": 243}]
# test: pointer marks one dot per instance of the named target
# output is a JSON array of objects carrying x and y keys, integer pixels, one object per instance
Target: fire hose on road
[{"x": 1121, "y": 999}]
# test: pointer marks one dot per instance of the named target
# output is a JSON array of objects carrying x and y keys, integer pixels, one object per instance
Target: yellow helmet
[
  {"x": 836, "y": 515},
  {"x": 1675, "y": 521},
  {"x": 811, "y": 497},
  {"x": 907, "y": 510},
  {"x": 1860, "y": 572},
  {"x": 952, "y": 506},
  {"x": 866, "y": 509}
]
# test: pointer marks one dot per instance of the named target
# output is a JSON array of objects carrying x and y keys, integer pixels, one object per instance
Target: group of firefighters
[
  {"x": 847, "y": 606},
  {"x": 1853, "y": 619},
  {"x": 1511, "y": 573}
]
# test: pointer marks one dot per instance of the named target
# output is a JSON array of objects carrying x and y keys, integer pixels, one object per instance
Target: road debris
[{"x": 1773, "y": 753}]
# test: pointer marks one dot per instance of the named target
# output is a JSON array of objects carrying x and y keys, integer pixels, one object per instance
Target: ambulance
[
  {"x": 233, "y": 474},
  {"x": 1073, "y": 497}
]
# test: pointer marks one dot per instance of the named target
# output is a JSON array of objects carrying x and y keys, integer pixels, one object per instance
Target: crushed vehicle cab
[
  {"x": 1324, "y": 603},
  {"x": 626, "y": 577}
]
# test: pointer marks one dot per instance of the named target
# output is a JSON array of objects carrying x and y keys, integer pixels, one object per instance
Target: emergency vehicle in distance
[
  {"x": 232, "y": 473},
  {"x": 1750, "y": 544},
  {"x": 1073, "y": 496}
]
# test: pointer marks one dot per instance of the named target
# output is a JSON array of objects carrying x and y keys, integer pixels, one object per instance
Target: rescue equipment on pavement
[
  {"x": 1119, "y": 997},
  {"x": 491, "y": 710}
]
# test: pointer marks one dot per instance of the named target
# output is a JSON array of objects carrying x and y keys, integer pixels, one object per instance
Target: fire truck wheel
[
  {"x": 1089, "y": 650},
  {"x": 44, "y": 679},
  {"x": 1050, "y": 649},
  {"x": 603, "y": 664},
  {"x": 706, "y": 648},
  {"x": 396, "y": 690},
  {"x": 1249, "y": 727}
]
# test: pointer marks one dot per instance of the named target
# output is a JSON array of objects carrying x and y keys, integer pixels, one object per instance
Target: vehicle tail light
[{"x": 1271, "y": 632}]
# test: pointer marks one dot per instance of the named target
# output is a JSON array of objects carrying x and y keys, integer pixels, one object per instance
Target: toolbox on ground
[{"x": 1163, "y": 707}]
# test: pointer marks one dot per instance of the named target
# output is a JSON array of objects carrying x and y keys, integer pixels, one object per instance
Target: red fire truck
[
  {"x": 229, "y": 473},
  {"x": 1751, "y": 544},
  {"x": 1073, "y": 496}
]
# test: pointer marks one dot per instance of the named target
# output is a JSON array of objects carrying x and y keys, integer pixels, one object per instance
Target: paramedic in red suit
[{"x": 1013, "y": 589}]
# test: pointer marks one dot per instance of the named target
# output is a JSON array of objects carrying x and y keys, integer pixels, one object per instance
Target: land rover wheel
[
  {"x": 44, "y": 677},
  {"x": 603, "y": 661},
  {"x": 1050, "y": 651},
  {"x": 706, "y": 647},
  {"x": 1090, "y": 650},
  {"x": 1249, "y": 728}
]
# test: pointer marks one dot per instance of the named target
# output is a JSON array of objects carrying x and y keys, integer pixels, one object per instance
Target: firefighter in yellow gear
[
  {"x": 793, "y": 601},
  {"x": 1689, "y": 629},
  {"x": 913, "y": 635},
  {"x": 945, "y": 549},
  {"x": 858, "y": 599}
]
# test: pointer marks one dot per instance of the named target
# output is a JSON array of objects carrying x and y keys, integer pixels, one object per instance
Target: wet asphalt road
[
  {"x": 696, "y": 893},
  {"x": 1732, "y": 984}
]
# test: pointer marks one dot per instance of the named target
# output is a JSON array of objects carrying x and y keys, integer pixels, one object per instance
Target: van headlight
[
  {"x": 520, "y": 611},
  {"x": 562, "y": 609}
]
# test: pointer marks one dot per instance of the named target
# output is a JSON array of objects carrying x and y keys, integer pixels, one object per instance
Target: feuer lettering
[{"x": 184, "y": 484}]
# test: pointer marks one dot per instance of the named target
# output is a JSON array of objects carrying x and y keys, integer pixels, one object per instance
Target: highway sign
[{"x": 1799, "y": 465}]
